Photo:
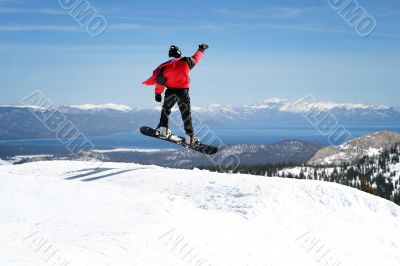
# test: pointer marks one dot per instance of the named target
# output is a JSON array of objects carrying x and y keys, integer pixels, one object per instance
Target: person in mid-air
[{"x": 174, "y": 75}]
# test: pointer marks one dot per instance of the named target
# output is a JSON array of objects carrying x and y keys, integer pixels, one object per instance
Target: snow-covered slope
[
  {"x": 2, "y": 162},
  {"x": 129, "y": 214}
]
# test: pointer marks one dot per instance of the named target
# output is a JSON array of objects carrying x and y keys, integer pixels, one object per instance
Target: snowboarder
[{"x": 174, "y": 75}]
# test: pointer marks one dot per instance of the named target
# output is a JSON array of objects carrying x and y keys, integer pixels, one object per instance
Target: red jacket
[{"x": 174, "y": 73}]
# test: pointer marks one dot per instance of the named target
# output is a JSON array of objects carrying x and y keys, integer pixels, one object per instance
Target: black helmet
[{"x": 174, "y": 51}]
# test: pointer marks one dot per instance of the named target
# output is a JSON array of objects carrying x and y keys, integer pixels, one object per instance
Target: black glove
[
  {"x": 203, "y": 47},
  {"x": 158, "y": 98}
]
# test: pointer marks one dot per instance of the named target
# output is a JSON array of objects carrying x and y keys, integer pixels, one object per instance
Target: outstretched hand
[{"x": 203, "y": 47}]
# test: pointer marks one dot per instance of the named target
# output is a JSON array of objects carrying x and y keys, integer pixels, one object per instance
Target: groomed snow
[{"x": 128, "y": 214}]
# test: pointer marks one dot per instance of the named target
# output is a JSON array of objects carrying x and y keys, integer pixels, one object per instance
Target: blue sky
[{"x": 259, "y": 49}]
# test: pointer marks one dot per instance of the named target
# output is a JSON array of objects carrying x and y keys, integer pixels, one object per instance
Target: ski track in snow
[{"x": 129, "y": 214}]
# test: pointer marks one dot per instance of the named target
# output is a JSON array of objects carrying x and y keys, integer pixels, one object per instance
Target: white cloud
[
  {"x": 127, "y": 26},
  {"x": 10, "y": 1},
  {"x": 152, "y": 19},
  {"x": 272, "y": 12},
  {"x": 38, "y": 28},
  {"x": 45, "y": 27},
  {"x": 51, "y": 11},
  {"x": 295, "y": 27},
  {"x": 287, "y": 12},
  {"x": 237, "y": 13}
]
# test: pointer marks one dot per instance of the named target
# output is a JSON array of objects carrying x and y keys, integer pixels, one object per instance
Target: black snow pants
[{"x": 180, "y": 96}]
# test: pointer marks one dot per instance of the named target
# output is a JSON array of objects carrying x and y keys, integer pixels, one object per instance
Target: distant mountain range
[
  {"x": 281, "y": 152},
  {"x": 17, "y": 122}
]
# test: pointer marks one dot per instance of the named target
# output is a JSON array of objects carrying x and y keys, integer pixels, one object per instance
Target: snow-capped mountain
[
  {"x": 306, "y": 105},
  {"x": 284, "y": 105},
  {"x": 356, "y": 149},
  {"x": 97, "y": 108},
  {"x": 18, "y": 122},
  {"x": 32, "y": 123},
  {"x": 128, "y": 214}
]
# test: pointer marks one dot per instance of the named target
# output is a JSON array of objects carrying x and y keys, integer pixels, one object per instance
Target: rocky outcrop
[{"x": 356, "y": 149}]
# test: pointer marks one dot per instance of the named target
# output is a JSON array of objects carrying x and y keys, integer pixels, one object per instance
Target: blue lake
[{"x": 227, "y": 136}]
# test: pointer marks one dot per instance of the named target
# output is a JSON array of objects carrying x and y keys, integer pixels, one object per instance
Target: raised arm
[{"x": 196, "y": 58}]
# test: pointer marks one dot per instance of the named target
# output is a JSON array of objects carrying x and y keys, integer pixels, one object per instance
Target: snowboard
[{"x": 203, "y": 148}]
